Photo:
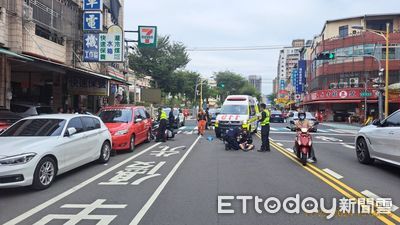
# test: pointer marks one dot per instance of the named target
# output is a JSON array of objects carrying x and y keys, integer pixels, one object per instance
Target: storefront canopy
[{"x": 14, "y": 55}]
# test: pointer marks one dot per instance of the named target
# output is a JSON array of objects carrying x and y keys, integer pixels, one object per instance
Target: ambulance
[{"x": 237, "y": 111}]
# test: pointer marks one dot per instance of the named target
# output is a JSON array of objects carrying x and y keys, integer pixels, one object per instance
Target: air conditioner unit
[
  {"x": 354, "y": 82},
  {"x": 27, "y": 13}
]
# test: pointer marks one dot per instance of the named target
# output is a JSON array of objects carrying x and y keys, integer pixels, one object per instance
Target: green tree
[
  {"x": 160, "y": 62},
  {"x": 272, "y": 98},
  {"x": 229, "y": 83}
]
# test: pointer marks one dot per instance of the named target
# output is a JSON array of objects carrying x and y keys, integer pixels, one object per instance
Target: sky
[{"x": 234, "y": 23}]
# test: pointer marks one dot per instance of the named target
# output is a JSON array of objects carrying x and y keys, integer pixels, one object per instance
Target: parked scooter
[
  {"x": 303, "y": 145},
  {"x": 154, "y": 131}
]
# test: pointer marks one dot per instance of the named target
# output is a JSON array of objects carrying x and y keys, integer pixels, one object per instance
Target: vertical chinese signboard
[
  {"x": 147, "y": 36},
  {"x": 111, "y": 45},
  {"x": 91, "y": 48},
  {"x": 301, "y": 77}
]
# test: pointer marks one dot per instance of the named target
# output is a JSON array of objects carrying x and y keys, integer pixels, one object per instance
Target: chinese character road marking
[
  {"x": 84, "y": 214},
  {"x": 165, "y": 151},
  {"x": 91, "y": 21},
  {"x": 123, "y": 177}
]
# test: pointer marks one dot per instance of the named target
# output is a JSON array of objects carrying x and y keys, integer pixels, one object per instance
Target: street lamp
[{"x": 385, "y": 35}]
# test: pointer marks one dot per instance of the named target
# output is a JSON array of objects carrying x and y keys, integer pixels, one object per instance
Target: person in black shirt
[{"x": 246, "y": 142}]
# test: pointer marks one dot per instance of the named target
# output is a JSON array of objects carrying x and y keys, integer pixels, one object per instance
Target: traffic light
[{"x": 325, "y": 56}]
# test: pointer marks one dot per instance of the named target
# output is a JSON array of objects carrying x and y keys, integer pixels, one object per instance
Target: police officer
[
  {"x": 264, "y": 122},
  {"x": 162, "y": 118}
]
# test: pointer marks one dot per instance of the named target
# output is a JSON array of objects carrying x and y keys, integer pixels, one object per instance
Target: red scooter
[{"x": 303, "y": 144}]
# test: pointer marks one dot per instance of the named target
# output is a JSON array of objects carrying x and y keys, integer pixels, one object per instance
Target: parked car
[
  {"x": 277, "y": 116},
  {"x": 293, "y": 117},
  {"x": 29, "y": 109},
  {"x": 7, "y": 118},
  {"x": 380, "y": 141},
  {"x": 178, "y": 117},
  {"x": 48, "y": 145},
  {"x": 213, "y": 114},
  {"x": 128, "y": 125}
]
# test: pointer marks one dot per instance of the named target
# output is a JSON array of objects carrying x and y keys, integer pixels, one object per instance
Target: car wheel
[
  {"x": 132, "y": 144},
  {"x": 45, "y": 173},
  {"x": 148, "y": 136},
  {"x": 363, "y": 152},
  {"x": 105, "y": 152}
]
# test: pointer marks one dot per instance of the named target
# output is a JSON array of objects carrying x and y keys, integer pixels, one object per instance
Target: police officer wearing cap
[{"x": 264, "y": 122}]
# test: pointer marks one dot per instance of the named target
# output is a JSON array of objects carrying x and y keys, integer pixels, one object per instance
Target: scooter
[
  {"x": 303, "y": 145},
  {"x": 154, "y": 131}
]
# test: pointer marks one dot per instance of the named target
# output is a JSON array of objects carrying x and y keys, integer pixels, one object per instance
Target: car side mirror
[
  {"x": 70, "y": 131},
  {"x": 138, "y": 120}
]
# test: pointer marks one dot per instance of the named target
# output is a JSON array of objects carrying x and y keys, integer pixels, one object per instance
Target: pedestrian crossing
[{"x": 193, "y": 130}]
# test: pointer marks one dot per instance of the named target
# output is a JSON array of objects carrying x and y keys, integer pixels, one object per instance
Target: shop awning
[
  {"x": 14, "y": 54},
  {"x": 62, "y": 68}
]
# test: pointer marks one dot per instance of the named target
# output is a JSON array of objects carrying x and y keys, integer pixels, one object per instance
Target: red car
[{"x": 128, "y": 125}]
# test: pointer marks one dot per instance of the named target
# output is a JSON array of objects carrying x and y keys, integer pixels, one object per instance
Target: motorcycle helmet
[{"x": 302, "y": 115}]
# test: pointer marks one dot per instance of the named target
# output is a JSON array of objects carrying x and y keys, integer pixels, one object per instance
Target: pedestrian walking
[
  {"x": 162, "y": 119},
  {"x": 264, "y": 122},
  {"x": 208, "y": 118},
  {"x": 202, "y": 120}
]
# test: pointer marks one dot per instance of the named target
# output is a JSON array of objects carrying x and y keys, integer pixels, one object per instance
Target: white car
[
  {"x": 36, "y": 149},
  {"x": 380, "y": 140}
]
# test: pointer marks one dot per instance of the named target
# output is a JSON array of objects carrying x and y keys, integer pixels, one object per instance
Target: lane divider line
[
  {"x": 280, "y": 144},
  {"x": 290, "y": 149},
  {"x": 70, "y": 191},
  {"x": 333, "y": 173},
  {"x": 323, "y": 175},
  {"x": 136, "y": 220},
  {"x": 374, "y": 196},
  {"x": 348, "y": 146}
]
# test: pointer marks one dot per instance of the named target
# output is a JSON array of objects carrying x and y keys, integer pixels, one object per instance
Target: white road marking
[
  {"x": 179, "y": 131},
  {"x": 280, "y": 144},
  {"x": 157, "y": 192},
  {"x": 374, "y": 196},
  {"x": 326, "y": 134},
  {"x": 315, "y": 142},
  {"x": 182, "y": 128},
  {"x": 348, "y": 131},
  {"x": 333, "y": 173},
  {"x": 288, "y": 129},
  {"x": 195, "y": 128},
  {"x": 274, "y": 129},
  {"x": 290, "y": 150},
  {"x": 322, "y": 131},
  {"x": 49, "y": 202},
  {"x": 348, "y": 146},
  {"x": 328, "y": 139}
]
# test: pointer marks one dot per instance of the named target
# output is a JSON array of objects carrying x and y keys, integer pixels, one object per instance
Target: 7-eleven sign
[{"x": 147, "y": 36}]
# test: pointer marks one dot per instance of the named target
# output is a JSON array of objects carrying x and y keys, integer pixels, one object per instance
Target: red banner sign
[{"x": 337, "y": 94}]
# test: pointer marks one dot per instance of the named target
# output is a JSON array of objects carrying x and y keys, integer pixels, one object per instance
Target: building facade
[
  {"x": 288, "y": 58},
  {"x": 335, "y": 87},
  {"x": 256, "y": 82},
  {"x": 41, "y": 56}
]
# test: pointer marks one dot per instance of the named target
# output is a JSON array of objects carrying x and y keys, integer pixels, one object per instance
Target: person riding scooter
[{"x": 302, "y": 122}]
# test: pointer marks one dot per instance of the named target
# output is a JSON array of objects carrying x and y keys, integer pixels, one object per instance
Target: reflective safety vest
[
  {"x": 266, "y": 120},
  {"x": 163, "y": 115}
]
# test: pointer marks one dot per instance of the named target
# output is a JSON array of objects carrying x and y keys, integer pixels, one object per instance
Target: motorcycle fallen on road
[
  {"x": 169, "y": 133},
  {"x": 303, "y": 144}
]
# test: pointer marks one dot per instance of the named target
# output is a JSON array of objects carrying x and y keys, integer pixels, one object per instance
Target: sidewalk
[{"x": 339, "y": 125}]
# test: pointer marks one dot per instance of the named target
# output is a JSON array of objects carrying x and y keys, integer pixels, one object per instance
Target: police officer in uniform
[
  {"x": 162, "y": 118},
  {"x": 264, "y": 122}
]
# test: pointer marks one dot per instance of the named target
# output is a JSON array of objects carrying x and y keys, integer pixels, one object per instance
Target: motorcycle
[
  {"x": 169, "y": 133},
  {"x": 303, "y": 145}
]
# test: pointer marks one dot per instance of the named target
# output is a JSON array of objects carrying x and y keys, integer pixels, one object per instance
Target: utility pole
[{"x": 387, "y": 72}]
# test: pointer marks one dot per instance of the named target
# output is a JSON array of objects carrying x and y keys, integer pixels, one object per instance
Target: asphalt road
[{"x": 178, "y": 182}]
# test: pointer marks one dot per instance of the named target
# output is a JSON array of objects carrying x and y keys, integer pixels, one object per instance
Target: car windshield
[
  {"x": 308, "y": 115},
  {"x": 116, "y": 115},
  {"x": 234, "y": 109},
  {"x": 35, "y": 128},
  {"x": 44, "y": 110},
  {"x": 175, "y": 112}
]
